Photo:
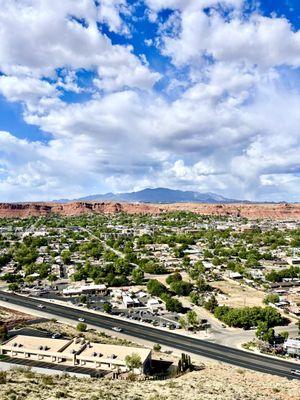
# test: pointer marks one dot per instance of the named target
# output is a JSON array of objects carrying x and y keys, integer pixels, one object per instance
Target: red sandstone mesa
[{"x": 251, "y": 211}]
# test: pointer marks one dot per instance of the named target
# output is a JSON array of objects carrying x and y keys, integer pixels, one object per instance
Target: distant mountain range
[{"x": 159, "y": 195}]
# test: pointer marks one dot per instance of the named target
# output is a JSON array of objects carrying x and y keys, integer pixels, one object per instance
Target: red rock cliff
[{"x": 251, "y": 211}]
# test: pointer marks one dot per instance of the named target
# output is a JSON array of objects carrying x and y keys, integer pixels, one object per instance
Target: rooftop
[
  {"x": 107, "y": 351},
  {"x": 37, "y": 343}
]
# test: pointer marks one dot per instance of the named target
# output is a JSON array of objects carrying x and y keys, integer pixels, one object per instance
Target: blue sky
[{"x": 119, "y": 95}]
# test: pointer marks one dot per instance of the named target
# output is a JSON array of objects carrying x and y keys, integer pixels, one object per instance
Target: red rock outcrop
[{"x": 251, "y": 211}]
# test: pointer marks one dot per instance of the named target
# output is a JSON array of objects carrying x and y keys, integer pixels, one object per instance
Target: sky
[{"x": 119, "y": 95}]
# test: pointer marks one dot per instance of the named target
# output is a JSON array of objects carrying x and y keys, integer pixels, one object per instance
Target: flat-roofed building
[
  {"x": 84, "y": 289},
  {"x": 112, "y": 357},
  {"x": 37, "y": 348},
  {"x": 77, "y": 351},
  {"x": 130, "y": 302},
  {"x": 292, "y": 347}
]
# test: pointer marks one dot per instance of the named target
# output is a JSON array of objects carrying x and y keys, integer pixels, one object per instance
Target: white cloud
[
  {"x": 125, "y": 70},
  {"x": 259, "y": 40},
  {"x": 39, "y": 36},
  {"x": 218, "y": 126},
  {"x": 109, "y": 12}
]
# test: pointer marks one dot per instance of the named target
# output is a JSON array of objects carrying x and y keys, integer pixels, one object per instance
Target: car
[
  {"x": 56, "y": 336},
  {"x": 81, "y": 319},
  {"x": 224, "y": 326},
  {"x": 117, "y": 329},
  {"x": 295, "y": 372},
  {"x": 41, "y": 306}
]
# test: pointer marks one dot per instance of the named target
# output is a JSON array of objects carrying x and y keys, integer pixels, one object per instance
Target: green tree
[
  {"x": 183, "y": 322},
  {"x": 133, "y": 361},
  {"x": 83, "y": 298},
  {"x": 52, "y": 278},
  {"x": 181, "y": 288},
  {"x": 265, "y": 333},
  {"x": 271, "y": 298},
  {"x": 176, "y": 277},
  {"x": 138, "y": 276},
  {"x": 81, "y": 327},
  {"x": 156, "y": 288},
  {"x": 13, "y": 287},
  {"x": 173, "y": 305},
  {"x": 211, "y": 304},
  {"x": 157, "y": 347},
  {"x": 107, "y": 307},
  {"x": 284, "y": 334},
  {"x": 192, "y": 318}
]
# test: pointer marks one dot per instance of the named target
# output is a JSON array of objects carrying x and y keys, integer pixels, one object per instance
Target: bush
[
  {"x": 211, "y": 304},
  {"x": 133, "y": 361},
  {"x": 60, "y": 395},
  {"x": 81, "y": 327},
  {"x": 174, "y": 278},
  {"x": 278, "y": 276},
  {"x": 181, "y": 288},
  {"x": 155, "y": 288},
  {"x": 157, "y": 347},
  {"x": 271, "y": 298},
  {"x": 107, "y": 307},
  {"x": 173, "y": 305},
  {"x": 47, "y": 380},
  {"x": 3, "y": 377}
]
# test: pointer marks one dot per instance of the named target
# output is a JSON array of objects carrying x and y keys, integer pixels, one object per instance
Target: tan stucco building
[{"x": 77, "y": 352}]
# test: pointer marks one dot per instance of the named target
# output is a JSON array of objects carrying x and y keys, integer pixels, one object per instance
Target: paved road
[{"x": 199, "y": 347}]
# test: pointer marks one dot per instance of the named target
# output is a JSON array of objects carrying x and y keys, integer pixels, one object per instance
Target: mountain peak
[{"x": 161, "y": 195}]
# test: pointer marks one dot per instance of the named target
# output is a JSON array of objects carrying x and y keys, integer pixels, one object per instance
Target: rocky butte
[{"x": 250, "y": 211}]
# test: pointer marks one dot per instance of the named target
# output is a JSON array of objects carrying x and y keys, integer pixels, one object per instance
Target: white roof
[
  {"x": 295, "y": 343},
  {"x": 128, "y": 299},
  {"x": 80, "y": 289},
  {"x": 152, "y": 302}
]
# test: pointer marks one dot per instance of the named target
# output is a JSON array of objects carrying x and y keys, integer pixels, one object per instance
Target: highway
[{"x": 238, "y": 358}]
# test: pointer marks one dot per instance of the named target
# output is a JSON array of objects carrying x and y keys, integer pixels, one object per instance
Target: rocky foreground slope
[
  {"x": 251, "y": 211},
  {"x": 215, "y": 382}
]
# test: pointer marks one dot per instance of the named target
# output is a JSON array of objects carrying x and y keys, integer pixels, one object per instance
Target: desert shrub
[
  {"x": 3, "y": 377},
  {"x": 47, "y": 380},
  {"x": 60, "y": 394}
]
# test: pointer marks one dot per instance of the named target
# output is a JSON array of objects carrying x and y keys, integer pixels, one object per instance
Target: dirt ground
[
  {"x": 238, "y": 295},
  {"x": 215, "y": 382},
  {"x": 12, "y": 317}
]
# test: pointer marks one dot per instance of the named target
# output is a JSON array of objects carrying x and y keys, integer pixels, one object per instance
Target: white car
[
  {"x": 117, "y": 329},
  {"x": 41, "y": 306},
  {"x": 81, "y": 319},
  {"x": 295, "y": 372}
]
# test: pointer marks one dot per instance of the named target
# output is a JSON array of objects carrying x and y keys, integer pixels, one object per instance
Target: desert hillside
[
  {"x": 215, "y": 382},
  {"x": 251, "y": 211}
]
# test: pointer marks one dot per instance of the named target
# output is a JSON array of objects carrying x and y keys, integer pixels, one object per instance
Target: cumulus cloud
[{"x": 258, "y": 40}]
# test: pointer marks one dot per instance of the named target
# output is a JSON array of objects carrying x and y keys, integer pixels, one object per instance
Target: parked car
[{"x": 56, "y": 336}]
